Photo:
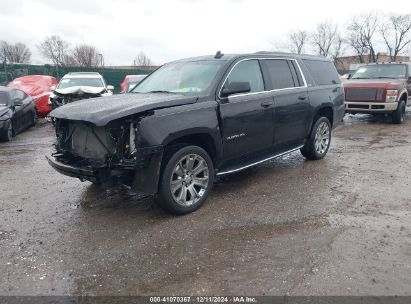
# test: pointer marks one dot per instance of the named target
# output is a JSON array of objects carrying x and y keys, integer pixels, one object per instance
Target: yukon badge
[{"x": 235, "y": 136}]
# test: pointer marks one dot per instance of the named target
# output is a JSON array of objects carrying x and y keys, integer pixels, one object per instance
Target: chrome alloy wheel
[
  {"x": 322, "y": 138},
  {"x": 189, "y": 180}
]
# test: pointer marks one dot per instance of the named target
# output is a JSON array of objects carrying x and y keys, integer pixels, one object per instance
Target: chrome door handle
[{"x": 267, "y": 104}]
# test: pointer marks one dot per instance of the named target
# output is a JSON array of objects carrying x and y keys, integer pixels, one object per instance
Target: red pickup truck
[{"x": 379, "y": 88}]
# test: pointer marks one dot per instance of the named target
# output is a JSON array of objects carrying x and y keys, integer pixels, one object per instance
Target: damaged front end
[
  {"x": 100, "y": 153},
  {"x": 61, "y": 97}
]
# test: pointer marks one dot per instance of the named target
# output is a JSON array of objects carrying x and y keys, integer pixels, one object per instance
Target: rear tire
[
  {"x": 398, "y": 116},
  {"x": 319, "y": 141},
  {"x": 7, "y": 135},
  {"x": 186, "y": 180}
]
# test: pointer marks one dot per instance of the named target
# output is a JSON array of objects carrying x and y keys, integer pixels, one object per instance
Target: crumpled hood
[
  {"x": 102, "y": 110},
  {"x": 80, "y": 90}
]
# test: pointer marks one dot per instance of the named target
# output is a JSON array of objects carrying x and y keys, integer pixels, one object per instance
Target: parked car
[
  {"x": 17, "y": 112},
  {"x": 379, "y": 88},
  {"x": 79, "y": 85},
  {"x": 39, "y": 88},
  {"x": 194, "y": 119},
  {"x": 130, "y": 81}
]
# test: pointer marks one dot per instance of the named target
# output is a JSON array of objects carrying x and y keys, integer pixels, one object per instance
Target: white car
[{"x": 79, "y": 85}]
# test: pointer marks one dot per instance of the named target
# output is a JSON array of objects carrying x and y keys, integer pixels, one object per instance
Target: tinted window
[
  {"x": 323, "y": 72},
  {"x": 280, "y": 74},
  {"x": 247, "y": 71},
  {"x": 74, "y": 82}
]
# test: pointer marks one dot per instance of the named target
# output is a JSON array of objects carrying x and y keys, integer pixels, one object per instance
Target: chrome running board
[{"x": 258, "y": 162}]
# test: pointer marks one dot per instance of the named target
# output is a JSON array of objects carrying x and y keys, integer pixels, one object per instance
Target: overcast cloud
[{"x": 168, "y": 30}]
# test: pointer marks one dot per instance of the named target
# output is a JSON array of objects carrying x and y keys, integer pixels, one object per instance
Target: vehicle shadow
[
  {"x": 113, "y": 197},
  {"x": 116, "y": 197}
]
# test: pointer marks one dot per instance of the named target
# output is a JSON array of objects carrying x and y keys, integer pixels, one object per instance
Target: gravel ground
[{"x": 339, "y": 226}]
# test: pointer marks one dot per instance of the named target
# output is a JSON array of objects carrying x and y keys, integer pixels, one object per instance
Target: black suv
[{"x": 198, "y": 118}]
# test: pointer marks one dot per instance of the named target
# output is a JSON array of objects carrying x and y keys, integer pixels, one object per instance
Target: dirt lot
[{"x": 339, "y": 226}]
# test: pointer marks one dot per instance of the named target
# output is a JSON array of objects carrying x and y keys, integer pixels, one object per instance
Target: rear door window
[
  {"x": 281, "y": 74},
  {"x": 247, "y": 71},
  {"x": 323, "y": 72}
]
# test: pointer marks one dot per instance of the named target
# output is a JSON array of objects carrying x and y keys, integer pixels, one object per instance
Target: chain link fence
[{"x": 113, "y": 76}]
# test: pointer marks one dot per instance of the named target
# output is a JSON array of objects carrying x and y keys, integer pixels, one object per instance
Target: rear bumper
[
  {"x": 85, "y": 173},
  {"x": 370, "y": 107}
]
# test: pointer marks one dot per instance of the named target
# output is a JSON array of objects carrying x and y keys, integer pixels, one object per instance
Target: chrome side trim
[
  {"x": 269, "y": 91},
  {"x": 259, "y": 162}
]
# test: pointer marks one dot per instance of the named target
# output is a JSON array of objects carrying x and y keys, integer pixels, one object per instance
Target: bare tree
[
  {"x": 142, "y": 60},
  {"x": 19, "y": 53},
  {"x": 87, "y": 56},
  {"x": 362, "y": 30},
  {"x": 55, "y": 49},
  {"x": 297, "y": 41},
  {"x": 5, "y": 50},
  {"x": 324, "y": 38},
  {"x": 395, "y": 32},
  {"x": 69, "y": 61},
  {"x": 357, "y": 44}
]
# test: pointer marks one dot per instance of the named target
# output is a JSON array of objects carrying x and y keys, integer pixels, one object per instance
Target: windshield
[
  {"x": 181, "y": 77},
  {"x": 83, "y": 82},
  {"x": 4, "y": 99},
  {"x": 133, "y": 83},
  {"x": 380, "y": 71}
]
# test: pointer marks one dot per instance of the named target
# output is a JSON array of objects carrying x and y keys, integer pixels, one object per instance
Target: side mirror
[
  {"x": 110, "y": 88},
  {"x": 349, "y": 76},
  {"x": 236, "y": 88},
  {"x": 53, "y": 88},
  {"x": 409, "y": 79}
]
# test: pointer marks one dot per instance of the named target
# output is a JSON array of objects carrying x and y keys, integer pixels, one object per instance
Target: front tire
[
  {"x": 186, "y": 180},
  {"x": 7, "y": 135},
  {"x": 398, "y": 116},
  {"x": 34, "y": 118},
  {"x": 319, "y": 141}
]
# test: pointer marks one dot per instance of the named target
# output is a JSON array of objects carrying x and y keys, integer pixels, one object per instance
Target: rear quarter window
[{"x": 323, "y": 72}]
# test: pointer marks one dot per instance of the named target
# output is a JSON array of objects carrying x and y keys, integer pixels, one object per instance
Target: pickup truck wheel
[
  {"x": 7, "y": 134},
  {"x": 319, "y": 141},
  {"x": 187, "y": 179},
  {"x": 398, "y": 115}
]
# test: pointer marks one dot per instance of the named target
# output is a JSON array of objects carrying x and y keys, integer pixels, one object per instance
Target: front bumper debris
[{"x": 81, "y": 172}]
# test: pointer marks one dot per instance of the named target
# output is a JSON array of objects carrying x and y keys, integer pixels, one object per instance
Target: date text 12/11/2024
[{"x": 203, "y": 299}]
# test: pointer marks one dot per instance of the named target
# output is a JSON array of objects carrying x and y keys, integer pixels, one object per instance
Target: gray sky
[{"x": 168, "y": 30}]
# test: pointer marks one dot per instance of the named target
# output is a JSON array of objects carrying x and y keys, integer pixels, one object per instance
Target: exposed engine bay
[
  {"x": 61, "y": 97},
  {"x": 109, "y": 147}
]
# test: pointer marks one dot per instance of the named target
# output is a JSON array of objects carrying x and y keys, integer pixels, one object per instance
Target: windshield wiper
[{"x": 159, "y": 91}]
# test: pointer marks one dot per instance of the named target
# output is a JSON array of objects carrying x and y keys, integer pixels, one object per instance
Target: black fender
[{"x": 164, "y": 126}]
